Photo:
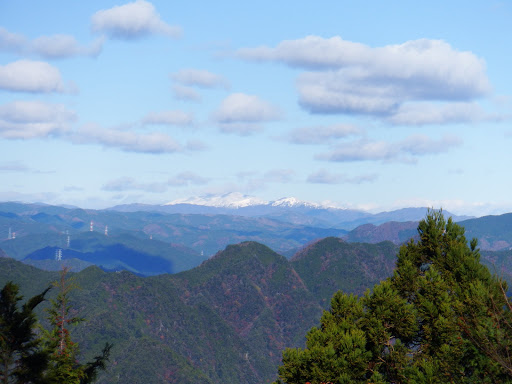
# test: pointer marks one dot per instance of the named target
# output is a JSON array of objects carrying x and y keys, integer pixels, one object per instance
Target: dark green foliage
[
  {"x": 223, "y": 322},
  {"x": 30, "y": 354},
  {"x": 332, "y": 264},
  {"x": 425, "y": 324},
  {"x": 57, "y": 342},
  {"x": 21, "y": 359},
  {"x": 227, "y": 320}
]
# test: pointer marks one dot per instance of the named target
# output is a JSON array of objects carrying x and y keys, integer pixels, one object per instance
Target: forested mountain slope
[{"x": 226, "y": 320}]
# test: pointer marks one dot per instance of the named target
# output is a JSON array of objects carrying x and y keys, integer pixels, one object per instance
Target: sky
[{"x": 369, "y": 105}]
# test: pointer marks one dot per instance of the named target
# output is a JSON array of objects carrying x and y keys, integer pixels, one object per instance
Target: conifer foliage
[
  {"x": 64, "y": 366},
  {"x": 30, "y": 354},
  {"x": 21, "y": 358},
  {"x": 434, "y": 321}
]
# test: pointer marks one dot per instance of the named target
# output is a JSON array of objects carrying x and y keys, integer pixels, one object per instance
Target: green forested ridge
[
  {"x": 227, "y": 320},
  {"x": 328, "y": 265},
  {"x": 441, "y": 318},
  {"x": 224, "y": 321}
]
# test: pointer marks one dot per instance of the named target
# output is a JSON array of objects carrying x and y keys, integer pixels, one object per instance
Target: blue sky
[{"x": 373, "y": 105}]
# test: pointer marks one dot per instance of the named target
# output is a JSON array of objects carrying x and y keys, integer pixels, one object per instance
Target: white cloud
[
  {"x": 243, "y": 114},
  {"x": 130, "y": 184},
  {"x": 324, "y": 177},
  {"x": 406, "y": 150},
  {"x": 30, "y": 76},
  {"x": 11, "y": 42},
  {"x": 430, "y": 113},
  {"x": 33, "y": 119},
  {"x": 169, "y": 118},
  {"x": 132, "y": 21},
  {"x": 423, "y": 145},
  {"x": 49, "y": 47},
  {"x": 352, "y": 78},
  {"x": 332, "y": 92},
  {"x": 185, "y": 93},
  {"x": 62, "y": 46},
  {"x": 126, "y": 140},
  {"x": 200, "y": 78},
  {"x": 312, "y": 52},
  {"x": 240, "y": 107},
  {"x": 241, "y": 129},
  {"x": 322, "y": 134}
]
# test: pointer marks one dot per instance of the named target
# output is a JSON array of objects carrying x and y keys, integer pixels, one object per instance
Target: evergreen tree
[
  {"x": 425, "y": 324},
  {"x": 21, "y": 358},
  {"x": 64, "y": 366},
  {"x": 29, "y": 354}
]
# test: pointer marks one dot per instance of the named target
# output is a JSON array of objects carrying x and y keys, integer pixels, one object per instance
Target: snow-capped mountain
[
  {"x": 228, "y": 200},
  {"x": 239, "y": 200},
  {"x": 293, "y": 202},
  {"x": 288, "y": 209}
]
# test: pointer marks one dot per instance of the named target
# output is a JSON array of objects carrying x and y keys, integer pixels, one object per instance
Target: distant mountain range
[
  {"x": 154, "y": 239},
  {"x": 288, "y": 209}
]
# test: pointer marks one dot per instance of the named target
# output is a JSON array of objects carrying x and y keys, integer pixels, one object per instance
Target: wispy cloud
[
  {"x": 196, "y": 145},
  {"x": 182, "y": 179},
  {"x": 11, "y": 42},
  {"x": 132, "y": 21},
  {"x": 174, "y": 117},
  {"x": 34, "y": 119},
  {"x": 127, "y": 141},
  {"x": 185, "y": 93},
  {"x": 187, "y": 178},
  {"x": 63, "y": 46},
  {"x": 130, "y": 184},
  {"x": 242, "y": 114},
  {"x": 323, "y": 134},
  {"x": 14, "y": 166},
  {"x": 325, "y": 177},
  {"x": 432, "y": 113},
  {"x": 279, "y": 176},
  {"x": 353, "y": 78},
  {"x": 406, "y": 150},
  {"x": 200, "y": 78},
  {"x": 49, "y": 47}
]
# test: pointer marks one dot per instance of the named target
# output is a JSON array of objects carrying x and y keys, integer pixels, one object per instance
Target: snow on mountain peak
[
  {"x": 228, "y": 200},
  {"x": 239, "y": 200},
  {"x": 293, "y": 202}
]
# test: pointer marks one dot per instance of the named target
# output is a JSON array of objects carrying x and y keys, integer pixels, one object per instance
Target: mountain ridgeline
[
  {"x": 154, "y": 240},
  {"x": 226, "y": 320},
  {"x": 195, "y": 318}
]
